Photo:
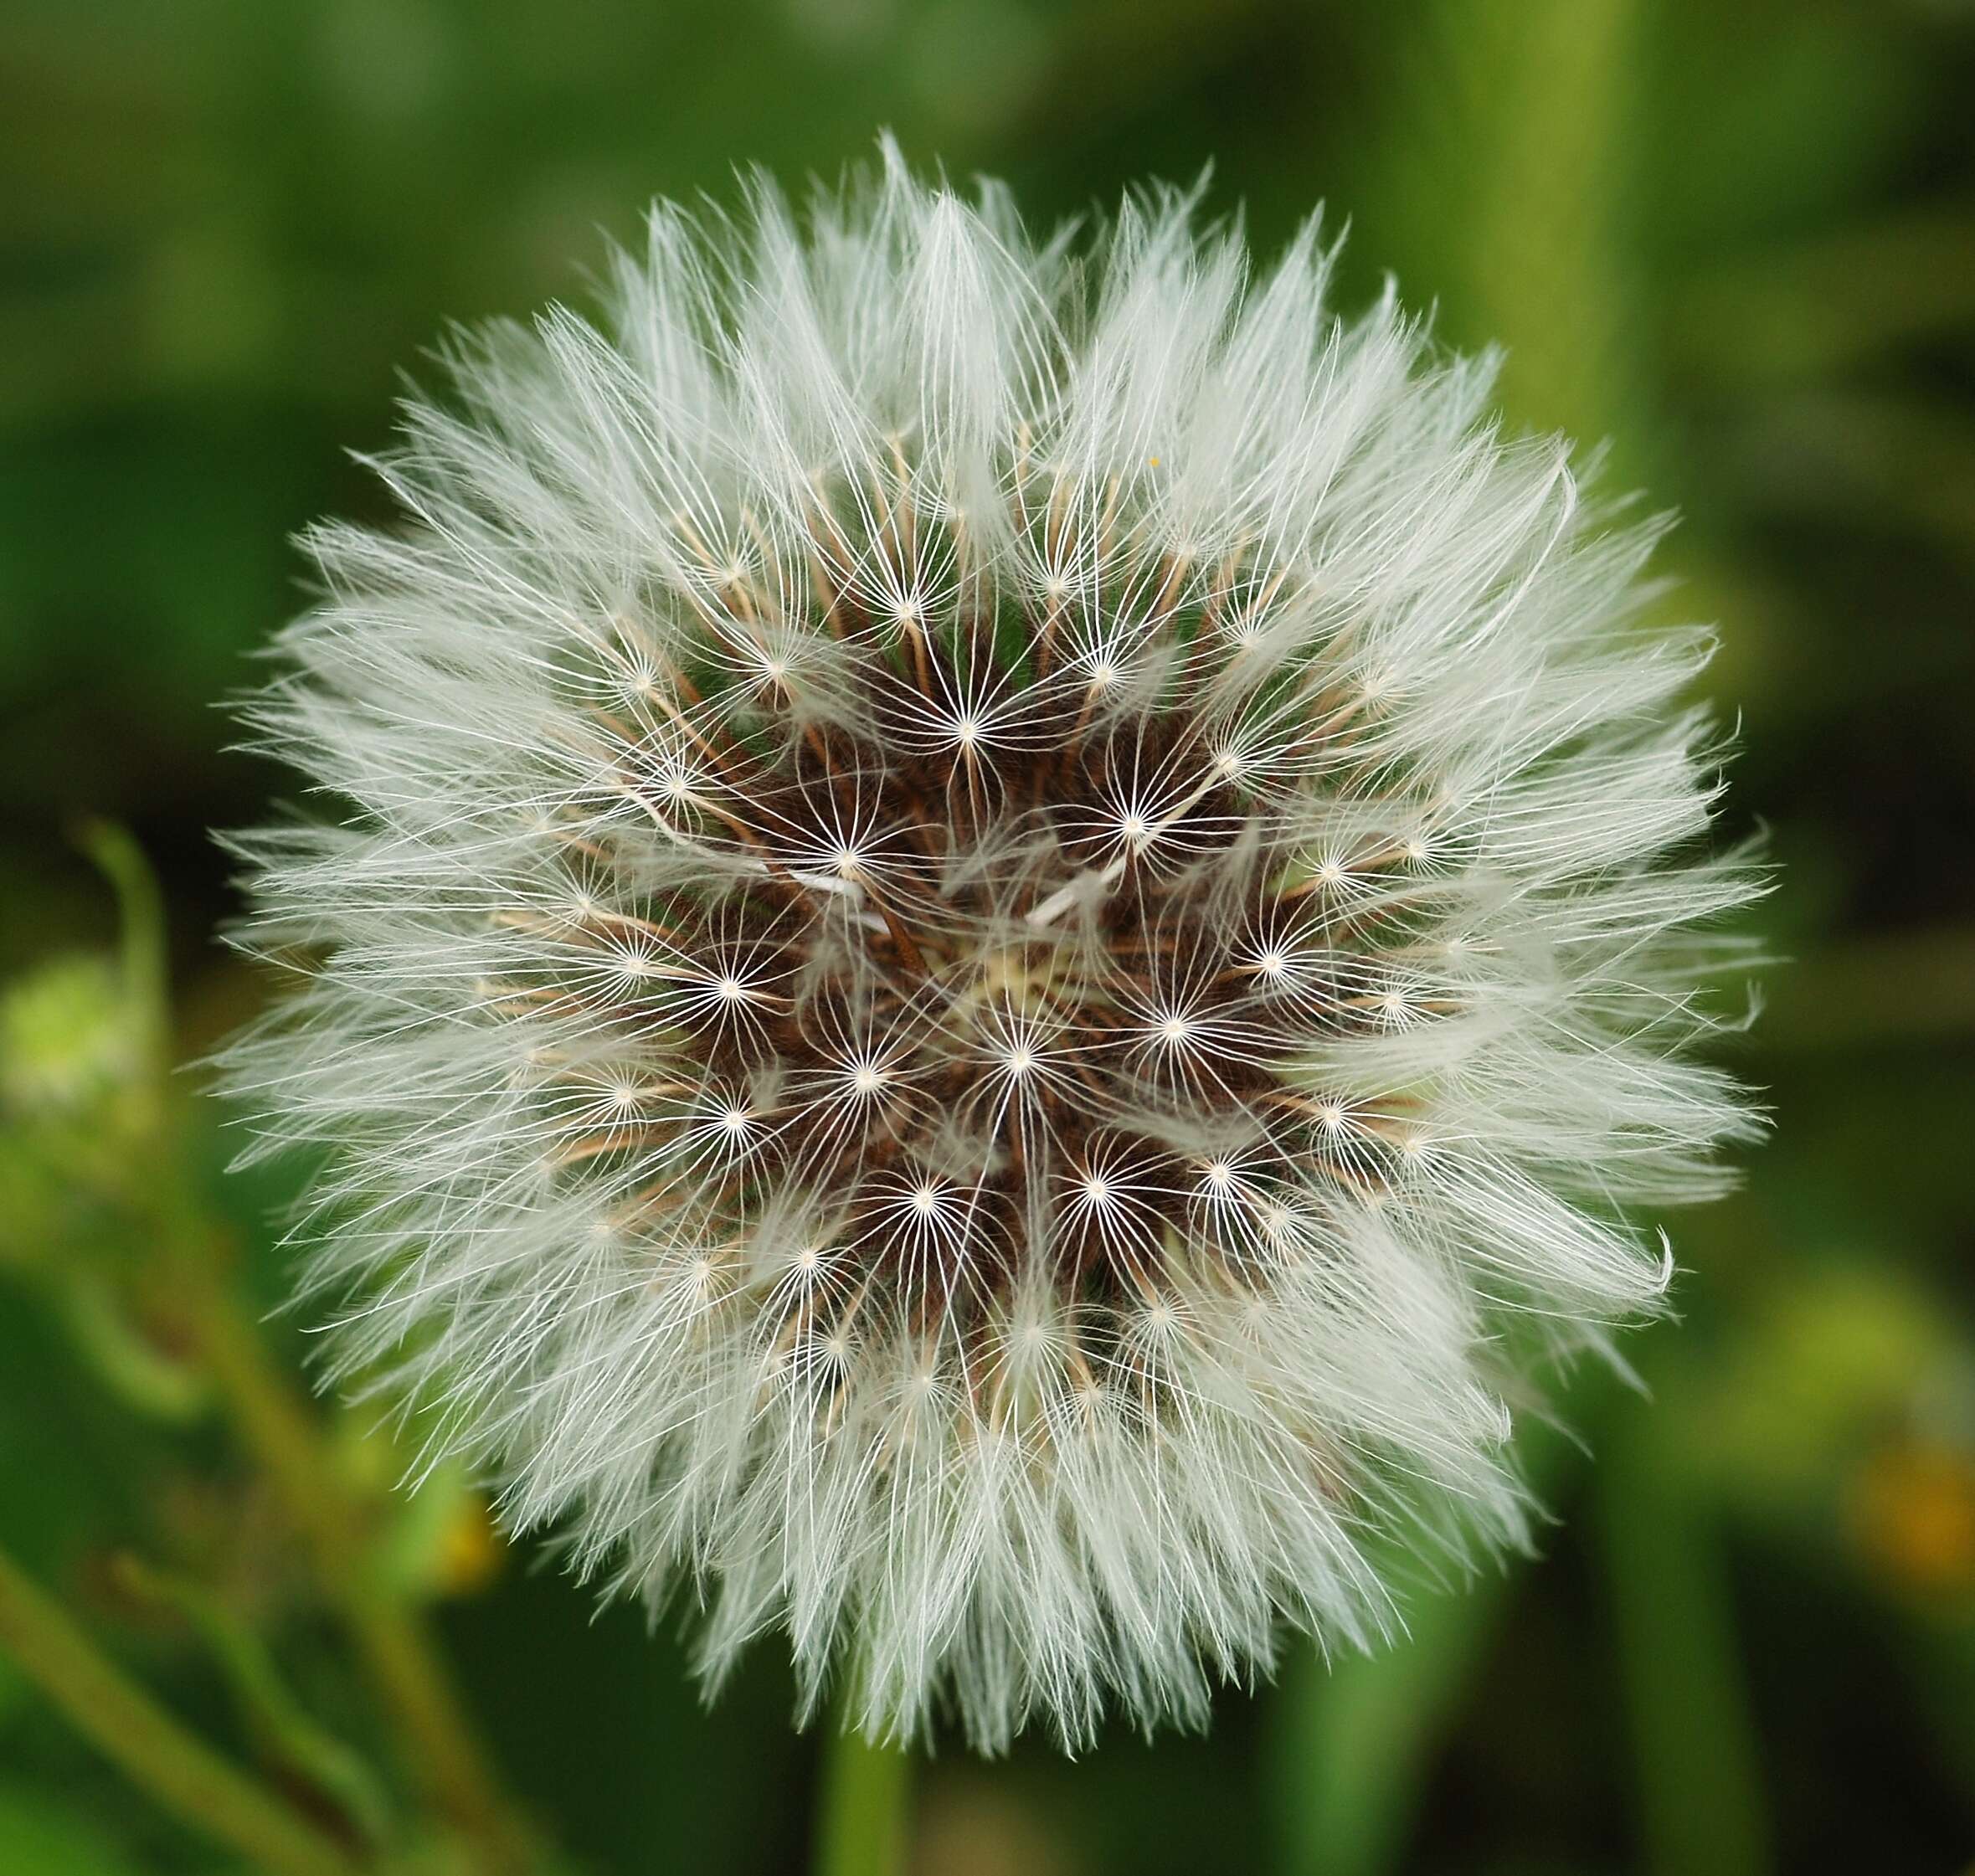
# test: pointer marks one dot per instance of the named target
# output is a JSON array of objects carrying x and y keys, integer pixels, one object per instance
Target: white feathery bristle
[{"x": 1008, "y": 924}]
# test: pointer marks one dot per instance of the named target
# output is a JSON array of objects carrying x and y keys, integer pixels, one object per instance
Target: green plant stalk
[
  {"x": 151, "y": 1747},
  {"x": 1694, "y": 1751},
  {"x": 397, "y": 1650},
  {"x": 276, "y": 1425},
  {"x": 287, "y": 1736},
  {"x": 863, "y": 1799},
  {"x": 1358, "y": 1735}
]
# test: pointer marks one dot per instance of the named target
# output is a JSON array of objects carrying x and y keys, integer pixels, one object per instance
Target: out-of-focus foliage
[{"x": 1738, "y": 239}]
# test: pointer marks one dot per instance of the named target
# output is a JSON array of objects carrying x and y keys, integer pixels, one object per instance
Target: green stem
[
  {"x": 394, "y": 1644},
  {"x": 1694, "y": 1740},
  {"x": 1359, "y": 1735},
  {"x": 863, "y": 1803},
  {"x": 394, "y": 1641},
  {"x": 176, "y": 1767},
  {"x": 140, "y": 905},
  {"x": 275, "y": 1422}
]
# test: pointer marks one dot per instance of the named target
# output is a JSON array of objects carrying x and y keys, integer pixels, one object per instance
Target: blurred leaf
[
  {"x": 1904, "y": 461},
  {"x": 1512, "y": 163},
  {"x": 1798, "y": 1395},
  {"x": 40, "y": 1838},
  {"x": 285, "y": 1733},
  {"x": 1829, "y": 304},
  {"x": 439, "y": 1539},
  {"x": 142, "y": 922},
  {"x": 1940, "y": 1659},
  {"x": 1694, "y": 1751},
  {"x": 1357, "y": 1737},
  {"x": 143, "y": 1375},
  {"x": 1772, "y": 111}
]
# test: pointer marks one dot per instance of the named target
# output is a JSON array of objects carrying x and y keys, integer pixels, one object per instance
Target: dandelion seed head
[{"x": 1009, "y": 927}]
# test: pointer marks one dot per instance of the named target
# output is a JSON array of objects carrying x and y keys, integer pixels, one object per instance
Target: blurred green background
[{"x": 1735, "y": 237}]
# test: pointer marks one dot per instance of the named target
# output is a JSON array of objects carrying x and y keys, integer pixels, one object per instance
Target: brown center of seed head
[{"x": 1002, "y": 1001}]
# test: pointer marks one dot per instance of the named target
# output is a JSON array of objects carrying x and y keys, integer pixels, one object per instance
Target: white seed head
[{"x": 1007, "y": 922}]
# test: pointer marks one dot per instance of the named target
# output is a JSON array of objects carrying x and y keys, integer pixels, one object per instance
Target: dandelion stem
[
  {"x": 150, "y": 1746},
  {"x": 863, "y": 1802}
]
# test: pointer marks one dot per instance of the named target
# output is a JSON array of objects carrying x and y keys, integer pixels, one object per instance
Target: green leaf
[
  {"x": 1360, "y": 1734},
  {"x": 144, "y": 1377},
  {"x": 282, "y": 1729},
  {"x": 38, "y": 1837},
  {"x": 1694, "y": 1754}
]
